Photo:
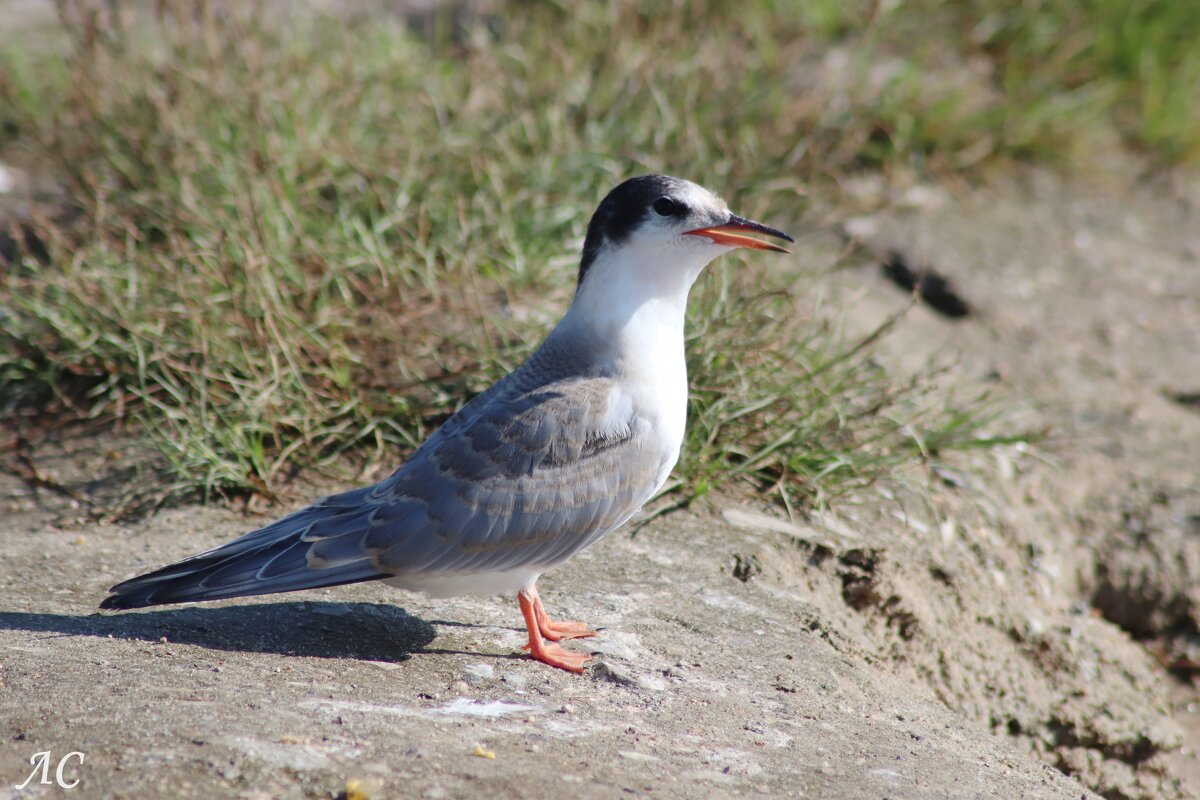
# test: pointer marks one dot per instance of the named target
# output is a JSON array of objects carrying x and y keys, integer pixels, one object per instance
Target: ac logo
[{"x": 41, "y": 761}]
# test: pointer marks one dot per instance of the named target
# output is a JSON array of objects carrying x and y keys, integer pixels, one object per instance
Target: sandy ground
[
  {"x": 1001, "y": 630},
  {"x": 1086, "y": 314},
  {"x": 706, "y": 686}
]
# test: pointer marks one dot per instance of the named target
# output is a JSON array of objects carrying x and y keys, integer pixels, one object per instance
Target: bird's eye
[{"x": 666, "y": 207}]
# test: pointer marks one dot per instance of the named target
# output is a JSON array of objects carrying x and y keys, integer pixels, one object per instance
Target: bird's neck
[{"x": 632, "y": 304}]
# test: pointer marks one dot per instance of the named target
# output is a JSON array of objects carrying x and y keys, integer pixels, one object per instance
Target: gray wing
[
  {"x": 528, "y": 481},
  {"x": 519, "y": 477}
]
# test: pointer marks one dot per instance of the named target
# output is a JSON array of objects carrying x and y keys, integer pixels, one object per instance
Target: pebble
[
  {"x": 612, "y": 646},
  {"x": 624, "y": 677},
  {"x": 478, "y": 673}
]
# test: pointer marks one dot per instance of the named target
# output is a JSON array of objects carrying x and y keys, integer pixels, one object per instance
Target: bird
[{"x": 561, "y": 451}]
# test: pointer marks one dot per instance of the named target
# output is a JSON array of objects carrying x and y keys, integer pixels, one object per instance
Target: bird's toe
[
  {"x": 555, "y": 656},
  {"x": 566, "y": 629}
]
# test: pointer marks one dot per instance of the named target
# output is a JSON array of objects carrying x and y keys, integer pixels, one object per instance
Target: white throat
[{"x": 636, "y": 293}]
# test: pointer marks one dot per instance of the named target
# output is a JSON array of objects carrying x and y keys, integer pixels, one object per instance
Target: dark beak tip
[{"x": 751, "y": 225}]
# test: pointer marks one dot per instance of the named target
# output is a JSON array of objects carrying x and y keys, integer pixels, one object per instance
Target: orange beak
[{"x": 728, "y": 234}]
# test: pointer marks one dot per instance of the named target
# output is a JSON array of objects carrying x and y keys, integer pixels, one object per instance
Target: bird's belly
[{"x": 444, "y": 584}]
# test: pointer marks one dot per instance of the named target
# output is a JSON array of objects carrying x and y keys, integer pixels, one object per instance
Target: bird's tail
[{"x": 317, "y": 546}]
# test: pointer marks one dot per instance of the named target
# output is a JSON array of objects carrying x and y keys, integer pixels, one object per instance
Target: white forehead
[{"x": 698, "y": 198}]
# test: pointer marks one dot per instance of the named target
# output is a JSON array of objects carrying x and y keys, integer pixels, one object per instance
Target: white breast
[{"x": 653, "y": 369}]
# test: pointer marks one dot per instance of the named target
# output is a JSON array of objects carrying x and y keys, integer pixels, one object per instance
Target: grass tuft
[{"x": 294, "y": 240}]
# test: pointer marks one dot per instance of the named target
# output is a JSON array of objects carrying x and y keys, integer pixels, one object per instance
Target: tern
[{"x": 552, "y": 457}]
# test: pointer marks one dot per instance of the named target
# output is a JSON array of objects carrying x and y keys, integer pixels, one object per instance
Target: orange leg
[
  {"x": 555, "y": 631},
  {"x": 546, "y": 652}
]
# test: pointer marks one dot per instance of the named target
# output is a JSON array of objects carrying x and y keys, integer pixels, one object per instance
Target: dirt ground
[
  {"x": 1086, "y": 310},
  {"x": 1022, "y": 625}
]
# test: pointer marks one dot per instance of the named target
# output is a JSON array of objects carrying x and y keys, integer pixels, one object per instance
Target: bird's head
[{"x": 664, "y": 229}]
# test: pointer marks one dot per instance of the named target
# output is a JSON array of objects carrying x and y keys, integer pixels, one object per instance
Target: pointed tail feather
[{"x": 272, "y": 559}]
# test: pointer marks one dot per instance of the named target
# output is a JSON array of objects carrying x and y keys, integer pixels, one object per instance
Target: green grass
[
  {"x": 783, "y": 403},
  {"x": 947, "y": 85},
  {"x": 1132, "y": 61},
  {"x": 306, "y": 241}
]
